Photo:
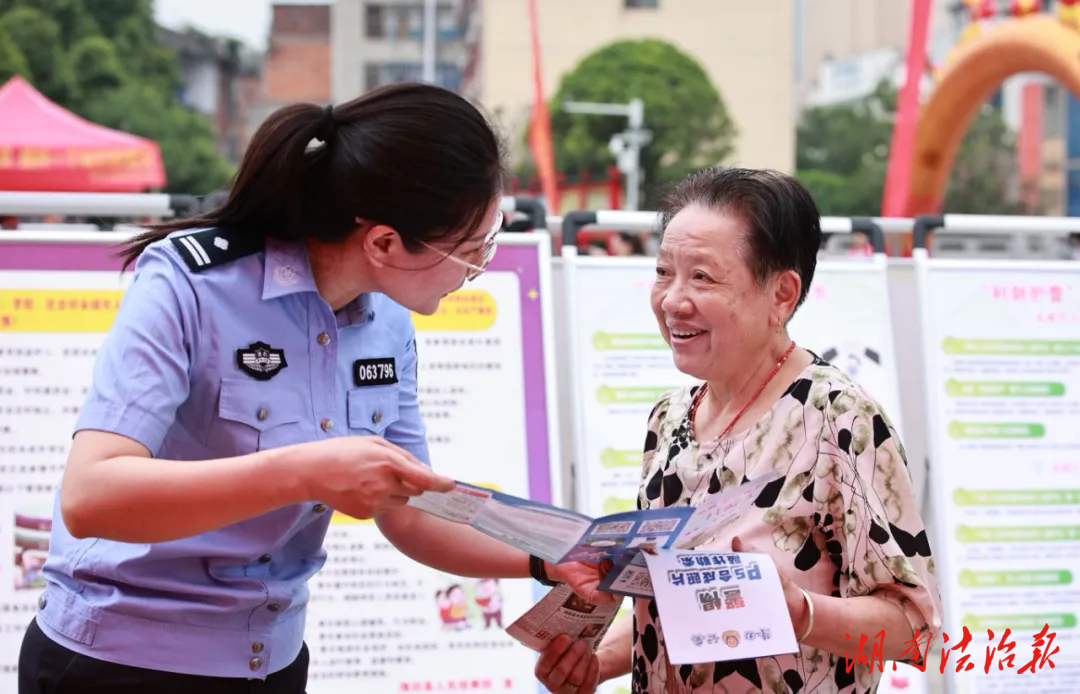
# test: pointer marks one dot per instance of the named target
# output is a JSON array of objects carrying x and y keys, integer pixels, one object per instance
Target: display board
[
  {"x": 377, "y": 621},
  {"x": 1002, "y": 354},
  {"x": 622, "y": 365}
]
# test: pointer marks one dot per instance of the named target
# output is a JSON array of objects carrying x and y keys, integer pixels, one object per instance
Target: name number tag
[{"x": 374, "y": 372}]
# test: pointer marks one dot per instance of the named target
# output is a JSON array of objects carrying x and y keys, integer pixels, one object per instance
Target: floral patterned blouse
[{"x": 842, "y": 521}]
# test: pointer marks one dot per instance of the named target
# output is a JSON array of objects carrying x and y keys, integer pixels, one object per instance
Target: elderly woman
[{"x": 737, "y": 258}]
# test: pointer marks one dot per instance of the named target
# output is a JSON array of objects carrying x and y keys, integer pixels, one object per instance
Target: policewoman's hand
[{"x": 363, "y": 476}]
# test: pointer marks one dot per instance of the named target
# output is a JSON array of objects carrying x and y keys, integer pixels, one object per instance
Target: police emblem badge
[{"x": 261, "y": 361}]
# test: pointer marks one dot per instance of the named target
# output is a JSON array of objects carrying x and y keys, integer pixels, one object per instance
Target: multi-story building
[
  {"x": 298, "y": 55},
  {"x": 381, "y": 42},
  {"x": 220, "y": 79},
  {"x": 296, "y": 64},
  {"x": 745, "y": 47}
]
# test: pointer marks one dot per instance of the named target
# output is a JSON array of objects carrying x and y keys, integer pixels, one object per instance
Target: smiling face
[{"x": 709, "y": 306}]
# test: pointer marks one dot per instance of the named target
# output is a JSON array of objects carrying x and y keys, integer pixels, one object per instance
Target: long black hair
[{"x": 415, "y": 157}]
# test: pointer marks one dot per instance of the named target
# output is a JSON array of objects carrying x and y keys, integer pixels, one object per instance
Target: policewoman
[{"x": 261, "y": 374}]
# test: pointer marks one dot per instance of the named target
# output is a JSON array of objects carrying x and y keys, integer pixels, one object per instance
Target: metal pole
[
  {"x": 626, "y": 146},
  {"x": 636, "y": 116},
  {"x": 430, "y": 21}
]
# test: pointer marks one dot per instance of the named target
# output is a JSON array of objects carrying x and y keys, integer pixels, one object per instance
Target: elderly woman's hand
[
  {"x": 567, "y": 666},
  {"x": 793, "y": 594}
]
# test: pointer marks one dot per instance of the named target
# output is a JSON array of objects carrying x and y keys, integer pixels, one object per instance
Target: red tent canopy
[{"x": 44, "y": 147}]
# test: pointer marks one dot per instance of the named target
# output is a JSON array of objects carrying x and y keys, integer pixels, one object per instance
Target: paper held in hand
[
  {"x": 719, "y": 606},
  {"x": 560, "y": 535},
  {"x": 561, "y": 611},
  {"x": 707, "y": 526}
]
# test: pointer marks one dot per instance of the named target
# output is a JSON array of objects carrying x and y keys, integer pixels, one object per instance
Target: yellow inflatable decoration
[{"x": 1033, "y": 43}]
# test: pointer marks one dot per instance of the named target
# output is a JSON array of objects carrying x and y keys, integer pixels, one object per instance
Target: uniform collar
[{"x": 288, "y": 271}]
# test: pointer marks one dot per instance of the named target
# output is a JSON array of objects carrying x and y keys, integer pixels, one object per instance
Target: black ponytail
[{"x": 416, "y": 157}]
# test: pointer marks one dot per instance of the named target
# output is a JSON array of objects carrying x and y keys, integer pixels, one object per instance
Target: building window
[
  {"x": 406, "y": 21},
  {"x": 447, "y": 75},
  {"x": 642, "y": 4},
  {"x": 374, "y": 21}
]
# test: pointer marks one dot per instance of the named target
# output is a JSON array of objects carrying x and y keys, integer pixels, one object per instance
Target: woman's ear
[
  {"x": 380, "y": 242},
  {"x": 788, "y": 289}
]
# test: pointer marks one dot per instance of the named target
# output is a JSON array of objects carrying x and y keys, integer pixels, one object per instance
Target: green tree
[
  {"x": 146, "y": 59},
  {"x": 842, "y": 154},
  {"x": 71, "y": 16},
  {"x": 38, "y": 37},
  {"x": 97, "y": 67},
  {"x": 690, "y": 124},
  {"x": 111, "y": 15},
  {"x": 186, "y": 139},
  {"x": 985, "y": 166},
  {"x": 12, "y": 61}
]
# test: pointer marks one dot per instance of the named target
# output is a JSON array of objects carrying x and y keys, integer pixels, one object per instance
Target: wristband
[
  {"x": 538, "y": 572},
  {"x": 810, "y": 620}
]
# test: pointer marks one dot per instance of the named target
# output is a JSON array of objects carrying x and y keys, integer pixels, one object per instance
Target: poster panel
[
  {"x": 622, "y": 366},
  {"x": 377, "y": 620},
  {"x": 1002, "y": 354}
]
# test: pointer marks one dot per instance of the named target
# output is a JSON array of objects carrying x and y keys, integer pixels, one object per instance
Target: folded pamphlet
[
  {"x": 562, "y": 611},
  {"x": 706, "y": 526},
  {"x": 559, "y": 535}
]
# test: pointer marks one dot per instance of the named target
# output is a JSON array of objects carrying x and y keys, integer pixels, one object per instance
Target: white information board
[
  {"x": 1002, "y": 355},
  {"x": 377, "y": 621}
]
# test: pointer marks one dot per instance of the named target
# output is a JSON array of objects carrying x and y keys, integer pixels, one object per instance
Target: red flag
[
  {"x": 902, "y": 151},
  {"x": 541, "y": 141}
]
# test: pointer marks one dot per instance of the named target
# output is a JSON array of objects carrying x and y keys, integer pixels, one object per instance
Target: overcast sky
[{"x": 247, "y": 20}]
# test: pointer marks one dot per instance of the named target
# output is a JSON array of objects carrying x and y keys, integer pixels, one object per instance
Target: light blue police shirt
[{"x": 223, "y": 347}]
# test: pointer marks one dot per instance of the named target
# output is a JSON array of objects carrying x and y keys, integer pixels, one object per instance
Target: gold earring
[{"x": 777, "y": 326}]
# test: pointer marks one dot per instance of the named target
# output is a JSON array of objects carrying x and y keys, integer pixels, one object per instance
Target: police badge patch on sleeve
[
  {"x": 374, "y": 372},
  {"x": 261, "y": 361}
]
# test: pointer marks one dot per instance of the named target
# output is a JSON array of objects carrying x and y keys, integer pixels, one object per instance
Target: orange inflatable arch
[{"x": 1039, "y": 43}]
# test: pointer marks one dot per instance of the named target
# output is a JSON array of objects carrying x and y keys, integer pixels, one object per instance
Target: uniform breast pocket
[
  {"x": 257, "y": 416},
  {"x": 372, "y": 409}
]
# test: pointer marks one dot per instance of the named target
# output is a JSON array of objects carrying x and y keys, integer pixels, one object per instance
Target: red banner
[
  {"x": 541, "y": 141},
  {"x": 898, "y": 178}
]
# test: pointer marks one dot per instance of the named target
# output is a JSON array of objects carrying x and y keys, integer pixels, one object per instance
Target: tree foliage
[
  {"x": 101, "y": 59},
  {"x": 12, "y": 61},
  {"x": 690, "y": 124},
  {"x": 842, "y": 156}
]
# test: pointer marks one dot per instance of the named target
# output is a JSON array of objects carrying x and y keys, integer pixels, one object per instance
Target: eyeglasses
[{"x": 489, "y": 249}]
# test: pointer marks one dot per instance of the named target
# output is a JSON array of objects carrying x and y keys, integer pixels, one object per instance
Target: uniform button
[
  {"x": 41, "y": 602},
  {"x": 257, "y": 647},
  {"x": 255, "y": 663},
  {"x": 262, "y": 414},
  {"x": 324, "y": 339},
  {"x": 320, "y": 508},
  {"x": 274, "y": 607},
  {"x": 327, "y": 425},
  {"x": 376, "y": 418},
  {"x": 264, "y": 559}
]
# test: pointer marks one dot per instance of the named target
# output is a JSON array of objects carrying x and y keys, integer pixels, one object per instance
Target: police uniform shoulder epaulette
[{"x": 209, "y": 248}]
